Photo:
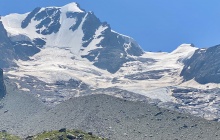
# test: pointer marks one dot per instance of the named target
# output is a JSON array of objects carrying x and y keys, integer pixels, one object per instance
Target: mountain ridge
[{"x": 79, "y": 31}]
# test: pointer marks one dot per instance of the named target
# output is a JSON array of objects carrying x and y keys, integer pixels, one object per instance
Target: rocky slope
[{"x": 103, "y": 115}]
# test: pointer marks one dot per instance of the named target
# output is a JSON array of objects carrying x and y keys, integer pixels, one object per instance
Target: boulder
[{"x": 62, "y": 130}]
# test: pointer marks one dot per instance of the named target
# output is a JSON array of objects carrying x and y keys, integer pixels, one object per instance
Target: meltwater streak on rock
[{"x": 2, "y": 85}]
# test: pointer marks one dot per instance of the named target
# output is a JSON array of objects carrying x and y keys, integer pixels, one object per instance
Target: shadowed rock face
[
  {"x": 155, "y": 74},
  {"x": 7, "y": 53},
  {"x": 49, "y": 17},
  {"x": 2, "y": 85},
  {"x": 11, "y": 49},
  {"x": 204, "y": 66},
  {"x": 112, "y": 49}
]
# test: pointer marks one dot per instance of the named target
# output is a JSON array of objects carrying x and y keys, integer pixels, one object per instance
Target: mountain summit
[{"x": 73, "y": 29}]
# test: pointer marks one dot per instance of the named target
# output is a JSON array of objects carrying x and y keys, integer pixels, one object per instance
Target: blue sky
[{"x": 157, "y": 25}]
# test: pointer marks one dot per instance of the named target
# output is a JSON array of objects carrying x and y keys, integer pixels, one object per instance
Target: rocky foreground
[
  {"x": 61, "y": 134},
  {"x": 116, "y": 119}
]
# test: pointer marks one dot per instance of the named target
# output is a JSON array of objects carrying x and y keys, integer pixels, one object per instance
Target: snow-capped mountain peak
[
  {"x": 73, "y": 29},
  {"x": 184, "y": 48},
  {"x": 72, "y": 7}
]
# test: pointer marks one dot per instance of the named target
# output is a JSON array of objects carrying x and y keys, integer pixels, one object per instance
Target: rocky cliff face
[
  {"x": 7, "y": 53},
  {"x": 203, "y": 66},
  {"x": 12, "y": 49},
  {"x": 2, "y": 85}
]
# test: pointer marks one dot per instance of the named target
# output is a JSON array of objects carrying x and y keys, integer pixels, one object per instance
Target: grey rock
[
  {"x": 25, "y": 49},
  {"x": 156, "y": 74},
  {"x": 71, "y": 137},
  {"x": 7, "y": 53},
  {"x": 78, "y": 17},
  {"x": 62, "y": 130},
  {"x": 203, "y": 66},
  {"x": 90, "y": 133},
  {"x": 97, "y": 114},
  {"x": 2, "y": 85},
  {"x": 27, "y": 20}
]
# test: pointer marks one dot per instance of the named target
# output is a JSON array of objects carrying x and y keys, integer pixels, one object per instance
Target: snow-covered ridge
[
  {"x": 73, "y": 7},
  {"x": 69, "y": 33},
  {"x": 12, "y": 22}
]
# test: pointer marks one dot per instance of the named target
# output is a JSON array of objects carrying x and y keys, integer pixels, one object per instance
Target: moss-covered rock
[
  {"x": 54, "y": 135},
  {"x": 6, "y": 136},
  {"x": 67, "y": 135}
]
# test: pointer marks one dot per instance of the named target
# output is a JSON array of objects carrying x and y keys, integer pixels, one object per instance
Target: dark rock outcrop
[
  {"x": 203, "y": 66},
  {"x": 156, "y": 74},
  {"x": 49, "y": 18},
  {"x": 113, "y": 52},
  {"x": 24, "y": 49},
  {"x": 11, "y": 48},
  {"x": 27, "y": 20},
  {"x": 2, "y": 85},
  {"x": 7, "y": 53}
]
